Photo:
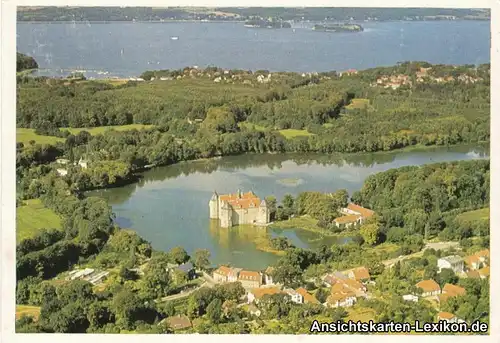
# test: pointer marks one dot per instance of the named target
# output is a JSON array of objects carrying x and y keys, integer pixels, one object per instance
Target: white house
[
  {"x": 449, "y": 317},
  {"x": 256, "y": 294},
  {"x": 341, "y": 300},
  {"x": 429, "y": 287},
  {"x": 294, "y": 295},
  {"x": 83, "y": 163},
  {"x": 410, "y": 297},
  {"x": 226, "y": 274},
  {"x": 62, "y": 172},
  {"x": 455, "y": 263},
  {"x": 268, "y": 278}
]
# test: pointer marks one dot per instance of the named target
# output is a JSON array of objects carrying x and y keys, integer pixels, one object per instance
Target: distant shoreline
[{"x": 229, "y": 21}]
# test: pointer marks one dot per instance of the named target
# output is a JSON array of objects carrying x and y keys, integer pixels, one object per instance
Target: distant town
[{"x": 246, "y": 14}]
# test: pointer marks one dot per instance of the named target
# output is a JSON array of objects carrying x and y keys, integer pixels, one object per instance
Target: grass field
[
  {"x": 101, "y": 129},
  {"x": 26, "y": 135},
  {"x": 292, "y": 133},
  {"x": 304, "y": 223},
  {"x": 33, "y": 311},
  {"x": 251, "y": 126},
  {"x": 474, "y": 216},
  {"x": 33, "y": 216},
  {"x": 358, "y": 104},
  {"x": 360, "y": 313}
]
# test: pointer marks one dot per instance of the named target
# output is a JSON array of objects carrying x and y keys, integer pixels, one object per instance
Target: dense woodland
[
  {"x": 25, "y": 62},
  {"x": 193, "y": 117}
]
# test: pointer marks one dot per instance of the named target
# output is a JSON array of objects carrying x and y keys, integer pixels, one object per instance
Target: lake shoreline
[{"x": 176, "y": 196}]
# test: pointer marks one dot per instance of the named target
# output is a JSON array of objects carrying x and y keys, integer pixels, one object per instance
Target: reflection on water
[{"x": 169, "y": 205}]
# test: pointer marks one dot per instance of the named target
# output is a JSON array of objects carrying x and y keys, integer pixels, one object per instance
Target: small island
[
  {"x": 266, "y": 24},
  {"x": 339, "y": 28}
]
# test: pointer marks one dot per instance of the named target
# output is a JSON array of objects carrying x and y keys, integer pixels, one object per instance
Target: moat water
[{"x": 169, "y": 205}]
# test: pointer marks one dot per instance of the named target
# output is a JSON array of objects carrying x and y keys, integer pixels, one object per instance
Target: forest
[
  {"x": 25, "y": 62},
  {"x": 200, "y": 118},
  {"x": 189, "y": 115}
]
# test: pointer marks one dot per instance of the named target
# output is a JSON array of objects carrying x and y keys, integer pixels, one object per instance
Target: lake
[
  {"x": 169, "y": 205},
  {"x": 126, "y": 49}
]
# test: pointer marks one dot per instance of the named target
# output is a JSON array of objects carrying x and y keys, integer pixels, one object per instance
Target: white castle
[{"x": 239, "y": 208}]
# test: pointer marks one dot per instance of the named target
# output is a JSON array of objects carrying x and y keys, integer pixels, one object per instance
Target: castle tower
[
  {"x": 213, "y": 204},
  {"x": 264, "y": 216},
  {"x": 225, "y": 215}
]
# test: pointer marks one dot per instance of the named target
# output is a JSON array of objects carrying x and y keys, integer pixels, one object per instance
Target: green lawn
[
  {"x": 251, "y": 126},
  {"x": 358, "y": 104},
  {"x": 33, "y": 216},
  {"x": 26, "y": 135},
  {"x": 362, "y": 314},
  {"x": 101, "y": 129},
  {"x": 292, "y": 133},
  {"x": 474, "y": 216},
  {"x": 305, "y": 223},
  {"x": 33, "y": 311}
]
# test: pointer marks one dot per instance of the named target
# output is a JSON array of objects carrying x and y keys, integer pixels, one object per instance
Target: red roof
[
  {"x": 428, "y": 286},
  {"x": 244, "y": 200},
  {"x": 445, "y": 315},
  {"x": 453, "y": 290},
  {"x": 347, "y": 219},
  {"x": 361, "y": 273},
  {"x": 364, "y": 212},
  {"x": 249, "y": 275},
  {"x": 260, "y": 292},
  {"x": 308, "y": 298}
]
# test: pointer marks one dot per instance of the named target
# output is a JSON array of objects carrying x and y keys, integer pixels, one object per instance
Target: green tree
[
  {"x": 214, "y": 311},
  {"x": 445, "y": 276},
  {"x": 370, "y": 233},
  {"x": 178, "y": 255},
  {"x": 202, "y": 258},
  {"x": 156, "y": 281}
]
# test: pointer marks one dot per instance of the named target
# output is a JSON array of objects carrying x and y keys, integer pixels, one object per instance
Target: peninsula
[
  {"x": 339, "y": 28},
  {"x": 267, "y": 24}
]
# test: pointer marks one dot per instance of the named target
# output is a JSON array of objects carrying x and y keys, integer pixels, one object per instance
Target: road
[
  {"x": 435, "y": 246},
  {"x": 393, "y": 261},
  {"x": 209, "y": 282}
]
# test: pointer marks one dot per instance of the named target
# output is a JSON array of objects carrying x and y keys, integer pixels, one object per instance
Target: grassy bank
[
  {"x": 33, "y": 216},
  {"x": 263, "y": 244},
  {"x": 306, "y": 223}
]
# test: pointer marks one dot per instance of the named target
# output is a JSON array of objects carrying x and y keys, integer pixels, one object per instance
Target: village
[
  {"x": 345, "y": 287},
  {"x": 421, "y": 76}
]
